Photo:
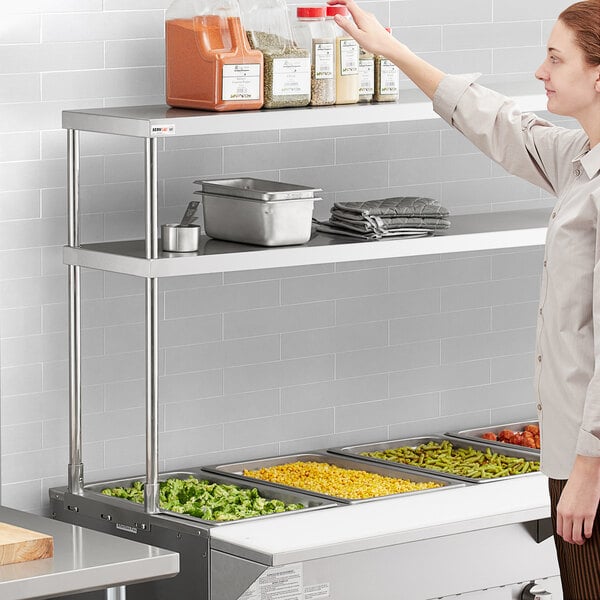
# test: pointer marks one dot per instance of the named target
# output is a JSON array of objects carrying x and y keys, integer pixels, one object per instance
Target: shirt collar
[{"x": 590, "y": 160}]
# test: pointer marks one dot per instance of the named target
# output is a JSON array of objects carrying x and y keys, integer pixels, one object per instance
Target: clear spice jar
[
  {"x": 387, "y": 78},
  {"x": 286, "y": 64},
  {"x": 346, "y": 60},
  {"x": 366, "y": 71},
  {"x": 209, "y": 63},
  {"x": 314, "y": 32}
]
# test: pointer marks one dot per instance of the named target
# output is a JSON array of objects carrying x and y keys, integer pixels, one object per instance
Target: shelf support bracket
[{"x": 75, "y": 475}]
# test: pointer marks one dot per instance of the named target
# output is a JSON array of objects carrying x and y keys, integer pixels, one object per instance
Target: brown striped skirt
[{"x": 579, "y": 565}]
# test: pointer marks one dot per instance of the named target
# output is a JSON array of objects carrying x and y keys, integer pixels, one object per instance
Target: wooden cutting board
[{"x": 20, "y": 545}]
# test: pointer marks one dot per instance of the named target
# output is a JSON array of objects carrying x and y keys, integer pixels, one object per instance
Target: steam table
[{"x": 251, "y": 560}]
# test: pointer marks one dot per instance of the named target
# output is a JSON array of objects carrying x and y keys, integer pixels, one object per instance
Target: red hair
[{"x": 583, "y": 18}]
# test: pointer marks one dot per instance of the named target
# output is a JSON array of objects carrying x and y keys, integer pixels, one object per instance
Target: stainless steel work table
[{"x": 84, "y": 560}]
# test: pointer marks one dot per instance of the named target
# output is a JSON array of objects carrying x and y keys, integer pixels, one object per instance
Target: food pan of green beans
[{"x": 468, "y": 461}]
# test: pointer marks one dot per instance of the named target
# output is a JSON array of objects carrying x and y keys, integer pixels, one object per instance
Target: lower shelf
[{"x": 468, "y": 233}]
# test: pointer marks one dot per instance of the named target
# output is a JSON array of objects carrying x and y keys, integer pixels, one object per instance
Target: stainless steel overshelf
[
  {"x": 164, "y": 121},
  {"x": 486, "y": 231}
]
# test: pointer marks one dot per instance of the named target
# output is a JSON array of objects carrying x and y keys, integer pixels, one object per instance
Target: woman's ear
[{"x": 597, "y": 84}]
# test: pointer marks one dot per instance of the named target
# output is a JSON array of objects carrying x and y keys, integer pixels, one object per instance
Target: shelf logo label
[
  {"x": 126, "y": 528},
  {"x": 158, "y": 130}
]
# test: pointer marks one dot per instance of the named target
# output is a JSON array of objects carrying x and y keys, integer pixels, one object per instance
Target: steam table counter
[{"x": 484, "y": 542}]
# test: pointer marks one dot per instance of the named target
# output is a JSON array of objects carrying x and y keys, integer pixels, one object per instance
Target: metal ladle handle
[{"x": 190, "y": 212}]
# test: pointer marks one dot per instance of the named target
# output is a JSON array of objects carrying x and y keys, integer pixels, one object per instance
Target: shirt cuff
[
  {"x": 588, "y": 444},
  {"x": 448, "y": 93}
]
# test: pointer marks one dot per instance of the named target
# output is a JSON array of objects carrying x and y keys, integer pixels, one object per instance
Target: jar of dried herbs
[
  {"x": 346, "y": 60},
  {"x": 313, "y": 31},
  {"x": 366, "y": 71},
  {"x": 286, "y": 64},
  {"x": 387, "y": 79}
]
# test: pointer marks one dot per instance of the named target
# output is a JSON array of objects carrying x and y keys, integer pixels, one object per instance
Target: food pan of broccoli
[{"x": 209, "y": 498}]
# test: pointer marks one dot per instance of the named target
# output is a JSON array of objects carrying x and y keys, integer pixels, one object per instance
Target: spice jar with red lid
[{"x": 312, "y": 31}]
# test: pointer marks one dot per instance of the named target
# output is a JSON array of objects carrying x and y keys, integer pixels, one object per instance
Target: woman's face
[{"x": 572, "y": 85}]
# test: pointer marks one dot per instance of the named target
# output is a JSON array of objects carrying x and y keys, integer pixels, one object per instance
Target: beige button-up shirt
[{"x": 567, "y": 355}]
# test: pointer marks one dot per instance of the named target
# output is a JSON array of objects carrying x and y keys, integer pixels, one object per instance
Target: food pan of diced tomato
[{"x": 525, "y": 434}]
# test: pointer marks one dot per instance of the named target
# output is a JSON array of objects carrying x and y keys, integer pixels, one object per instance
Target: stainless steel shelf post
[
  {"x": 75, "y": 476},
  {"x": 75, "y": 471},
  {"x": 151, "y": 490}
]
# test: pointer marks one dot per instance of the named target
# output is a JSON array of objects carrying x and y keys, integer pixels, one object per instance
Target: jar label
[
  {"x": 241, "y": 82},
  {"x": 348, "y": 57},
  {"x": 291, "y": 76},
  {"x": 390, "y": 78},
  {"x": 366, "y": 69},
  {"x": 324, "y": 56}
]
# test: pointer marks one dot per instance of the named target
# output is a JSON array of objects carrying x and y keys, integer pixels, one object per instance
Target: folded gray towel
[
  {"x": 390, "y": 207},
  {"x": 328, "y": 227},
  {"x": 372, "y": 222},
  {"x": 373, "y": 219}
]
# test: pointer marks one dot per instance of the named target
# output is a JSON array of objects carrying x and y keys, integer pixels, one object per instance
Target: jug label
[
  {"x": 241, "y": 82},
  {"x": 390, "y": 76},
  {"x": 291, "y": 76},
  {"x": 348, "y": 57},
  {"x": 324, "y": 56}
]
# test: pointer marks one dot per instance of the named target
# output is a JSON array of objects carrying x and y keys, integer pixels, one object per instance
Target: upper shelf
[
  {"x": 485, "y": 231},
  {"x": 164, "y": 121}
]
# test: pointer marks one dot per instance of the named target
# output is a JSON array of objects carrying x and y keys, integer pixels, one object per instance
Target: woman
[{"x": 565, "y": 162}]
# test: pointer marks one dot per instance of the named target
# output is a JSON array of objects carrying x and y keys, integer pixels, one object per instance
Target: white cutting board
[{"x": 20, "y": 545}]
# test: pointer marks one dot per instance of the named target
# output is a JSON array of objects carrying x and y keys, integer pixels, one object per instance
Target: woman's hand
[
  {"x": 372, "y": 36},
  {"x": 578, "y": 502},
  {"x": 365, "y": 29}
]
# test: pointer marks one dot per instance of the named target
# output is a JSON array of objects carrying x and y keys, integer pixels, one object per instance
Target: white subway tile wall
[{"x": 258, "y": 362}]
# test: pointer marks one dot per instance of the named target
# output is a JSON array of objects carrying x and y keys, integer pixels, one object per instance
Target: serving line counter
[
  {"x": 420, "y": 547},
  {"x": 83, "y": 560},
  {"x": 482, "y": 541}
]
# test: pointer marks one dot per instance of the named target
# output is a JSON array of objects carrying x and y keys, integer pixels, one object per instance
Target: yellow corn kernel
[{"x": 336, "y": 481}]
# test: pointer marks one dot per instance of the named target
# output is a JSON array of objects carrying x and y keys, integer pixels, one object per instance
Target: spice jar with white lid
[
  {"x": 312, "y": 31},
  {"x": 387, "y": 78},
  {"x": 346, "y": 60}
]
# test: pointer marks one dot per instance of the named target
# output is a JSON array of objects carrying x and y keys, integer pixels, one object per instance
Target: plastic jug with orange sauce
[{"x": 209, "y": 62}]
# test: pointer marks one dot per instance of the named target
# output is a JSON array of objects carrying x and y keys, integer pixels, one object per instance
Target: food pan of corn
[
  {"x": 465, "y": 460},
  {"x": 337, "y": 478},
  {"x": 209, "y": 498}
]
